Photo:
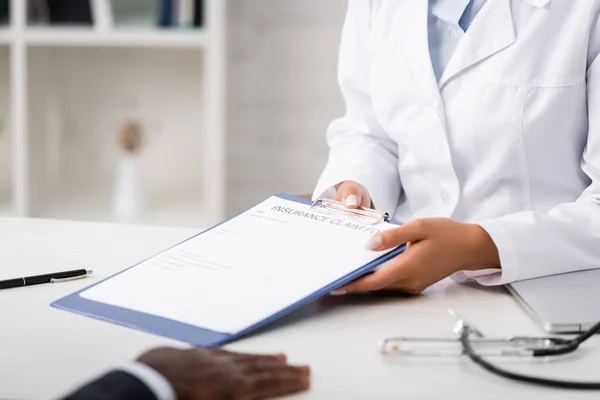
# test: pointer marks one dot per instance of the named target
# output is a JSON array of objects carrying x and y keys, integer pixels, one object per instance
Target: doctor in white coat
[{"x": 477, "y": 124}]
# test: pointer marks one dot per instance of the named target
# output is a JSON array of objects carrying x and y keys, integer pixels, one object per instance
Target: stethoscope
[{"x": 471, "y": 338}]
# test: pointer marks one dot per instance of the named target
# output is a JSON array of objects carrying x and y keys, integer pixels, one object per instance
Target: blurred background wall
[
  {"x": 231, "y": 99},
  {"x": 282, "y": 59}
]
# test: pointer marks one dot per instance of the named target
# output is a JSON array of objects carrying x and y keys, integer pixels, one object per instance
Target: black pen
[{"x": 47, "y": 278}]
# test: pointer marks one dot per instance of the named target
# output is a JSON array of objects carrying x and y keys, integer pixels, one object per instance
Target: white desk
[{"x": 45, "y": 352}]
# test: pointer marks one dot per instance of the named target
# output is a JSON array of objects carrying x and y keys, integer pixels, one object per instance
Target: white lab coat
[{"x": 509, "y": 138}]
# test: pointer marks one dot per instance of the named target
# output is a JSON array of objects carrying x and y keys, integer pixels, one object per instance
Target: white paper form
[{"x": 246, "y": 269}]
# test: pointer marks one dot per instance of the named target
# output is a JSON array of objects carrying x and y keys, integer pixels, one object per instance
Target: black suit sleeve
[{"x": 115, "y": 385}]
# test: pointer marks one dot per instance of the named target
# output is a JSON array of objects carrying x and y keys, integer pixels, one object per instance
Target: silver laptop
[{"x": 563, "y": 303}]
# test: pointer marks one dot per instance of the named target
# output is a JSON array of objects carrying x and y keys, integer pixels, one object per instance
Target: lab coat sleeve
[
  {"x": 567, "y": 238},
  {"x": 359, "y": 148}
]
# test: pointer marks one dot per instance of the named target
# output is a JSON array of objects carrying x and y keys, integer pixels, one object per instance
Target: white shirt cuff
[
  {"x": 486, "y": 277},
  {"x": 157, "y": 383}
]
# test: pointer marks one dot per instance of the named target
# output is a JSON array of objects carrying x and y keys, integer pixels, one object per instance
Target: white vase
[
  {"x": 129, "y": 201},
  {"x": 102, "y": 14}
]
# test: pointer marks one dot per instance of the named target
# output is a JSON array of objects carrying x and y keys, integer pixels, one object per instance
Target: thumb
[{"x": 353, "y": 195}]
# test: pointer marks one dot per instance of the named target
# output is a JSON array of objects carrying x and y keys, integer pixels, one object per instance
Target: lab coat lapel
[
  {"x": 413, "y": 110},
  {"x": 491, "y": 32}
]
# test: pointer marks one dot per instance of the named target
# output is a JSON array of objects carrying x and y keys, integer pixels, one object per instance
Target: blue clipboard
[{"x": 191, "y": 334}]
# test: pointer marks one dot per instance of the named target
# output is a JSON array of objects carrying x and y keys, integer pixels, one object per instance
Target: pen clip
[{"x": 73, "y": 278}]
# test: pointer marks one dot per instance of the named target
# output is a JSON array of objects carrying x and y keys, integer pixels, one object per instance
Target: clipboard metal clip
[{"x": 364, "y": 215}]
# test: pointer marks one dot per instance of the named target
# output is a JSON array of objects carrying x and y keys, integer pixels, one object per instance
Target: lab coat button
[{"x": 445, "y": 196}]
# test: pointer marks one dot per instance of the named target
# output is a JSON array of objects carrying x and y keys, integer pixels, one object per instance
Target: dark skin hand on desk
[{"x": 201, "y": 374}]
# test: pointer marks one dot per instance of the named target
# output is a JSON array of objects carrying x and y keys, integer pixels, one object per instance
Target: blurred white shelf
[
  {"x": 41, "y": 100},
  {"x": 117, "y": 37}
]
